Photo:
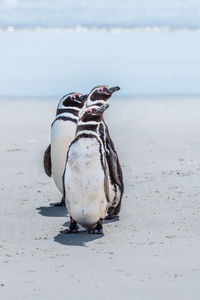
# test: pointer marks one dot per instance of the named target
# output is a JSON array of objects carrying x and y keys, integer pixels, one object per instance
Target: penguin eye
[
  {"x": 73, "y": 97},
  {"x": 100, "y": 90},
  {"x": 91, "y": 110}
]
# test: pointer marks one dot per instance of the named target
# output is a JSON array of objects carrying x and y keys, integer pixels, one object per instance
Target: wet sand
[{"x": 151, "y": 252}]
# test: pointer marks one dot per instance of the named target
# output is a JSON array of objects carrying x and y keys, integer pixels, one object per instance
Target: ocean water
[
  {"x": 95, "y": 13},
  {"x": 148, "y": 47}
]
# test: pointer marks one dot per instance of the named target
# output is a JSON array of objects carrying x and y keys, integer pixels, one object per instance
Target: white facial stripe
[
  {"x": 73, "y": 107},
  {"x": 64, "y": 98},
  {"x": 76, "y": 100},
  {"x": 91, "y": 103},
  {"x": 98, "y": 88},
  {"x": 92, "y": 93}
]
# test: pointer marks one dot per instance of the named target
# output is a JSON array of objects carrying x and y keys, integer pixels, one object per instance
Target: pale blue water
[
  {"x": 129, "y": 13},
  {"x": 49, "y": 48}
]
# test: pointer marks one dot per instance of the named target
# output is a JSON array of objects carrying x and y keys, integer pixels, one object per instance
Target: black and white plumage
[
  {"x": 63, "y": 131},
  {"x": 86, "y": 178},
  {"x": 99, "y": 95}
]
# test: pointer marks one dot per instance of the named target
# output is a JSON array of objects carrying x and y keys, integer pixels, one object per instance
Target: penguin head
[
  {"x": 94, "y": 113},
  {"x": 72, "y": 100},
  {"x": 101, "y": 93}
]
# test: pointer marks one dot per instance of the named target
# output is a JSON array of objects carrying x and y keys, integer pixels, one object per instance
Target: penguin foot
[
  {"x": 95, "y": 231},
  {"x": 57, "y": 204},
  {"x": 98, "y": 229},
  {"x": 73, "y": 227},
  {"x": 111, "y": 214},
  {"x": 68, "y": 231}
]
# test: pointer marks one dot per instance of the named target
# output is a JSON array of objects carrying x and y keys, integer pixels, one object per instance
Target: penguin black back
[{"x": 99, "y": 95}]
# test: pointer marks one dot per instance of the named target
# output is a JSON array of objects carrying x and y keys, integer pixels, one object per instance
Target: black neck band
[{"x": 67, "y": 110}]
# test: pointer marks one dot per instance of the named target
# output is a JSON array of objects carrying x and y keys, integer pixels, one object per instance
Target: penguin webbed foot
[
  {"x": 98, "y": 229},
  {"x": 111, "y": 214},
  {"x": 58, "y": 204},
  {"x": 73, "y": 227},
  {"x": 68, "y": 231}
]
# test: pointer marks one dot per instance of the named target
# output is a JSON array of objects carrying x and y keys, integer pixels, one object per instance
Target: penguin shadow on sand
[
  {"x": 52, "y": 211},
  {"x": 76, "y": 239},
  {"x": 82, "y": 237}
]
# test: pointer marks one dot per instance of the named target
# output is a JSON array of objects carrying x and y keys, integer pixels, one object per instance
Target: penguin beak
[
  {"x": 113, "y": 89},
  {"x": 101, "y": 109},
  {"x": 83, "y": 98}
]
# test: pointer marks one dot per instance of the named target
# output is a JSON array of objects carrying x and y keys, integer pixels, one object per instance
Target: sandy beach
[{"x": 151, "y": 252}]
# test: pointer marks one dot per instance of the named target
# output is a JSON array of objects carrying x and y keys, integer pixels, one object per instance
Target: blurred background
[{"x": 148, "y": 47}]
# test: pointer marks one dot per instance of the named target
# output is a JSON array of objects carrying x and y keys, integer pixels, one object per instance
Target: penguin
[
  {"x": 98, "y": 96},
  {"x": 63, "y": 131},
  {"x": 86, "y": 179}
]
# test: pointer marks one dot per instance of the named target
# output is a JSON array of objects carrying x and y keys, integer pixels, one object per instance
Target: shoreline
[{"x": 154, "y": 63}]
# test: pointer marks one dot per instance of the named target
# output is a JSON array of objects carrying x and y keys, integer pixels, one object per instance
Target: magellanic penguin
[
  {"x": 86, "y": 178},
  {"x": 98, "y": 96},
  {"x": 63, "y": 131}
]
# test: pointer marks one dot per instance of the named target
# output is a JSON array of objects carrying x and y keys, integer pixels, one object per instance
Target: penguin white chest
[
  {"x": 62, "y": 134},
  {"x": 85, "y": 182}
]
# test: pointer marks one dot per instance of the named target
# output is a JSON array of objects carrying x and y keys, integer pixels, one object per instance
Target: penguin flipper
[
  {"x": 113, "y": 165},
  {"x": 47, "y": 161},
  {"x": 113, "y": 160}
]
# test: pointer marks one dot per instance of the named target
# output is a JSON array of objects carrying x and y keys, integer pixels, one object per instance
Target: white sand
[{"x": 152, "y": 252}]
